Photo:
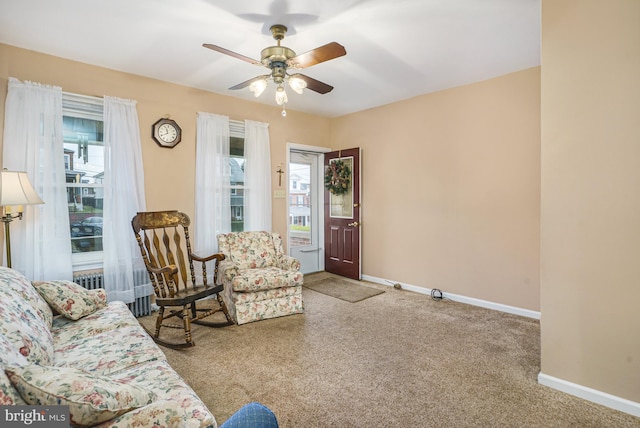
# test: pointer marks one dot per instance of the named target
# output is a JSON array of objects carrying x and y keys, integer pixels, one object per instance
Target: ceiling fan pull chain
[{"x": 284, "y": 112}]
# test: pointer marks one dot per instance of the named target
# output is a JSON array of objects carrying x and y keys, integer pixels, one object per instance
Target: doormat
[{"x": 343, "y": 290}]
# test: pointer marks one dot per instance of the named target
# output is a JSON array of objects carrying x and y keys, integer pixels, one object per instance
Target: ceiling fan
[{"x": 280, "y": 59}]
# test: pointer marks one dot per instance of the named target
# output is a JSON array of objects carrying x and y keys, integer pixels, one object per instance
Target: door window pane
[
  {"x": 341, "y": 205},
  {"x": 299, "y": 204}
]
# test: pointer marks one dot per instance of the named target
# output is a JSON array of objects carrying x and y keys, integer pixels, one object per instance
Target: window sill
[{"x": 87, "y": 261}]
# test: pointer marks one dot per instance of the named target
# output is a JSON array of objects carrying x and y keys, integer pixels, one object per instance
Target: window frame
[{"x": 92, "y": 108}]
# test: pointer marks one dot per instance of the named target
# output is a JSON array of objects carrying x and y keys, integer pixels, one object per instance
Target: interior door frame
[{"x": 319, "y": 189}]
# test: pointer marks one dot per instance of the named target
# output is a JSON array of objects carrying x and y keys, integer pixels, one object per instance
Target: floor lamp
[{"x": 15, "y": 192}]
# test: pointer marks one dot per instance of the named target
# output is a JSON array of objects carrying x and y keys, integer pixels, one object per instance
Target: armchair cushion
[{"x": 267, "y": 278}]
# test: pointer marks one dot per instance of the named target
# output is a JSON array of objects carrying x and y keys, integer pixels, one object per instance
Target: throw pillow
[
  {"x": 91, "y": 399},
  {"x": 99, "y": 296},
  {"x": 69, "y": 299}
]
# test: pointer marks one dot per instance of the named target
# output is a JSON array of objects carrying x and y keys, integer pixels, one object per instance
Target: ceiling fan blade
[
  {"x": 231, "y": 53},
  {"x": 246, "y": 83},
  {"x": 315, "y": 85},
  {"x": 323, "y": 53}
]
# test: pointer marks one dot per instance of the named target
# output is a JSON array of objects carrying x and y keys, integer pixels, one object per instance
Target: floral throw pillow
[
  {"x": 70, "y": 299},
  {"x": 91, "y": 399}
]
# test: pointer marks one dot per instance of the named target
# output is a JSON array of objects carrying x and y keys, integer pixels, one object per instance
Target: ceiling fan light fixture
[
  {"x": 279, "y": 59},
  {"x": 297, "y": 83},
  {"x": 281, "y": 95},
  {"x": 258, "y": 87}
]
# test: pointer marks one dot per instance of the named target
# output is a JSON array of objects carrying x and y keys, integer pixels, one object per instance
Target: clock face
[{"x": 166, "y": 133}]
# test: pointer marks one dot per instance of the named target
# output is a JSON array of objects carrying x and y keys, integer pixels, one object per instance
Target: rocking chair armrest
[
  {"x": 217, "y": 256},
  {"x": 169, "y": 269}
]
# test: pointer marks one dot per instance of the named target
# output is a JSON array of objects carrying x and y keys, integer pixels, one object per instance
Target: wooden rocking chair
[{"x": 160, "y": 237}]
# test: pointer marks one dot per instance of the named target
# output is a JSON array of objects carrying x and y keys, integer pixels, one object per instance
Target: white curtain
[
  {"x": 123, "y": 198},
  {"x": 33, "y": 142},
  {"x": 257, "y": 177},
  {"x": 213, "y": 188}
]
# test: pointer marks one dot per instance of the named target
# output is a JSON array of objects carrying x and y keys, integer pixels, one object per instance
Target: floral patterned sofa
[
  {"x": 93, "y": 357},
  {"x": 260, "y": 280}
]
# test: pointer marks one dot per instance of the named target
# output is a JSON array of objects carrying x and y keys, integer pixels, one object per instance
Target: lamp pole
[
  {"x": 15, "y": 191},
  {"x": 6, "y": 219}
]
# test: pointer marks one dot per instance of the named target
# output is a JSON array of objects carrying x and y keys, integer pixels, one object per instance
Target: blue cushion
[{"x": 252, "y": 415}]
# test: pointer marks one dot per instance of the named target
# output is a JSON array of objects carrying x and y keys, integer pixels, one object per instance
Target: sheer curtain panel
[
  {"x": 257, "y": 178},
  {"x": 123, "y": 198},
  {"x": 33, "y": 142},
  {"x": 213, "y": 187}
]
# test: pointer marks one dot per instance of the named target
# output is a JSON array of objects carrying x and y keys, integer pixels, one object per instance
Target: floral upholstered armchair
[{"x": 260, "y": 280}]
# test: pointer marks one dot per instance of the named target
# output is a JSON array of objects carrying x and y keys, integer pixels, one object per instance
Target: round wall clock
[{"x": 166, "y": 133}]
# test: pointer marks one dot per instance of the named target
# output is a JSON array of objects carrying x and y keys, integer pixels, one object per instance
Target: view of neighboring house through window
[
  {"x": 84, "y": 170},
  {"x": 236, "y": 168},
  {"x": 299, "y": 204}
]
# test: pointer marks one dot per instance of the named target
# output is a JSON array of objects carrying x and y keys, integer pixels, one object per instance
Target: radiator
[{"x": 141, "y": 306}]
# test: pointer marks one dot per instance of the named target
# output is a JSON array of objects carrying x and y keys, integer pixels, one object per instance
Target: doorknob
[{"x": 354, "y": 224}]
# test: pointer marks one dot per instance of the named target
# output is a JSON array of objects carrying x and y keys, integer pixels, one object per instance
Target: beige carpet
[
  {"x": 397, "y": 360},
  {"x": 347, "y": 290}
]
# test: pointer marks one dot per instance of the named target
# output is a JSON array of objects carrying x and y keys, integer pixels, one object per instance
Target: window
[
  {"x": 84, "y": 170},
  {"x": 236, "y": 168}
]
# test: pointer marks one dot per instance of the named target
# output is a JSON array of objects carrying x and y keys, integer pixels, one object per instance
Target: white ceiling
[{"x": 396, "y": 49}]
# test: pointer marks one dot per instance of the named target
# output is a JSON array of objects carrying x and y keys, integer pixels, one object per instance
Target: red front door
[{"x": 342, "y": 213}]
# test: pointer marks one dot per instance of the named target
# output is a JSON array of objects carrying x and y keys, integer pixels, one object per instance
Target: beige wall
[
  {"x": 590, "y": 230},
  {"x": 451, "y": 179},
  {"x": 451, "y": 189},
  {"x": 169, "y": 173}
]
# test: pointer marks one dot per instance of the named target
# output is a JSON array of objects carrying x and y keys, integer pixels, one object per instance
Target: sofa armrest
[
  {"x": 163, "y": 413},
  {"x": 227, "y": 270},
  {"x": 289, "y": 263}
]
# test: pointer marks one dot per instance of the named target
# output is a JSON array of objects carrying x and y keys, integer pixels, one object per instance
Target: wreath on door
[{"x": 337, "y": 177}]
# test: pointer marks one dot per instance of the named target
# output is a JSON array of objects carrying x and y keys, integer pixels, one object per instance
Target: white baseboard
[
  {"x": 593, "y": 395},
  {"x": 458, "y": 298}
]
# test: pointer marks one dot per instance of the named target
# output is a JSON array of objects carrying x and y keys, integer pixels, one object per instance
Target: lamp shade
[{"x": 16, "y": 189}]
